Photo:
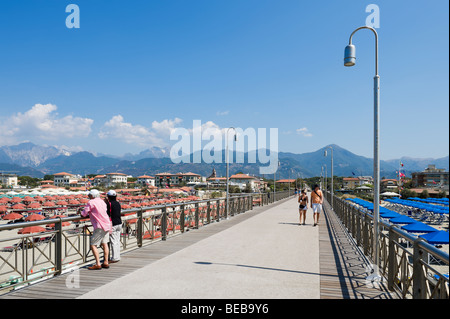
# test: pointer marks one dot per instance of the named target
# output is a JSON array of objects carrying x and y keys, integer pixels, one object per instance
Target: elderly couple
[{"x": 105, "y": 218}]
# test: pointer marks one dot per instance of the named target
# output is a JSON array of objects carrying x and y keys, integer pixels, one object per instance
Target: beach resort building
[
  {"x": 431, "y": 177},
  {"x": 64, "y": 179},
  {"x": 169, "y": 180},
  {"x": 112, "y": 179},
  {"x": 8, "y": 180},
  {"x": 146, "y": 180}
]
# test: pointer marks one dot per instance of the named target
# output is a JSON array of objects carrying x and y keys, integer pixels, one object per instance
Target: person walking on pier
[
  {"x": 114, "y": 210},
  {"x": 316, "y": 203},
  {"x": 303, "y": 206},
  {"x": 96, "y": 209}
]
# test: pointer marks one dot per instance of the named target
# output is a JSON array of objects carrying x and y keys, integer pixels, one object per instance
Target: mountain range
[{"x": 37, "y": 160}]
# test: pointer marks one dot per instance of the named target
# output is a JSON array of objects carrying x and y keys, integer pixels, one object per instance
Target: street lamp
[
  {"x": 332, "y": 193},
  {"x": 350, "y": 60},
  {"x": 228, "y": 167}
]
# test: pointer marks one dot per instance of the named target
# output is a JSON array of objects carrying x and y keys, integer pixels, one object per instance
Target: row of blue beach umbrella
[{"x": 431, "y": 234}]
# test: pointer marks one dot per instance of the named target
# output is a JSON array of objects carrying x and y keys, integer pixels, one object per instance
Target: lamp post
[
  {"x": 350, "y": 60},
  {"x": 332, "y": 174},
  {"x": 228, "y": 168}
]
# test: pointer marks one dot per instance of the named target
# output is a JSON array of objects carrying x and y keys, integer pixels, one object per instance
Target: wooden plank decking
[{"x": 343, "y": 267}]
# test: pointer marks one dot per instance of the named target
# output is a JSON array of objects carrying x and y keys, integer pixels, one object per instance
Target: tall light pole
[
  {"x": 332, "y": 174},
  {"x": 350, "y": 60},
  {"x": 228, "y": 168}
]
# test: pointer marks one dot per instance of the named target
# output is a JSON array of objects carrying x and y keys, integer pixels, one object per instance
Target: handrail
[
  {"x": 417, "y": 279},
  {"x": 60, "y": 249}
]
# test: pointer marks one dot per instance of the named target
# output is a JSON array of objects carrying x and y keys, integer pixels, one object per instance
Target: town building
[
  {"x": 431, "y": 177},
  {"x": 145, "y": 180},
  {"x": 179, "y": 179},
  {"x": 242, "y": 180},
  {"x": 8, "y": 180},
  {"x": 350, "y": 182},
  {"x": 64, "y": 179},
  {"x": 389, "y": 185},
  {"x": 112, "y": 179}
]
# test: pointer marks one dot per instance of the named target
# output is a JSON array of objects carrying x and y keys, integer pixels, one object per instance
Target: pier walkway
[{"x": 260, "y": 254}]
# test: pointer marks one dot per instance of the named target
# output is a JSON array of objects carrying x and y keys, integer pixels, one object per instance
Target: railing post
[
  {"x": 208, "y": 212},
  {"x": 358, "y": 225},
  {"x": 393, "y": 238},
  {"x": 182, "y": 217},
  {"x": 164, "y": 223},
  {"x": 366, "y": 234},
  {"x": 139, "y": 229},
  {"x": 196, "y": 215},
  {"x": 419, "y": 280},
  {"x": 58, "y": 247}
]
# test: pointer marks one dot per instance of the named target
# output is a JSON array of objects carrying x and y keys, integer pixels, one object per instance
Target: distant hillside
[
  {"x": 152, "y": 161},
  {"x": 20, "y": 170},
  {"x": 29, "y": 154},
  {"x": 79, "y": 163}
]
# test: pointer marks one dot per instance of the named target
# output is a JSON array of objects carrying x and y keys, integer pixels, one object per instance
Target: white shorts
[
  {"x": 99, "y": 236},
  {"x": 317, "y": 208}
]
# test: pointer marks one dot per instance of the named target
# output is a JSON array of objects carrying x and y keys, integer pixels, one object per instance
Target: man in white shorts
[
  {"x": 96, "y": 209},
  {"x": 316, "y": 203}
]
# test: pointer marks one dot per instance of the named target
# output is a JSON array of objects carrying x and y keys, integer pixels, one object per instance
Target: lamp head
[{"x": 350, "y": 55}]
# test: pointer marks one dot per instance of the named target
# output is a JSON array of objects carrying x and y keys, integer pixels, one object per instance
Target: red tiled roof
[
  {"x": 62, "y": 174},
  {"x": 286, "y": 181},
  {"x": 242, "y": 176}
]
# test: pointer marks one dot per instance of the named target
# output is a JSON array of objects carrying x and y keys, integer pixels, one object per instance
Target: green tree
[
  {"x": 28, "y": 181},
  {"x": 406, "y": 193},
  {"x": 424, "y": 194}
]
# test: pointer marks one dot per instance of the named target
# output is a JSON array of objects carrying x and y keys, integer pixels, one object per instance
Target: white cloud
[
  {"x": 42, "y": 122},
  {"x": 156, "y": 135},
  {"x": 304, "y": 131}
]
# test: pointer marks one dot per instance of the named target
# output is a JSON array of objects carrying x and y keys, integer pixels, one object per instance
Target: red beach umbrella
[
  {"x": 18, "y": 206},
  {"x": 32, "y": 230},
  {"x": 34, "y": 205},
  {"x": 48, "y": 204},
  {"x": 12, "y": 216},
  {"x": 16, "y": 200},
  {"x": 34, "y": 217},
  {"x": 64, "y": 224},
  {"x": 3, "y": 208}
]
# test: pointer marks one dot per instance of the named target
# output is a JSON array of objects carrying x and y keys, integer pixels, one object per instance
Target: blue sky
[{"x": 136, "y": 69}]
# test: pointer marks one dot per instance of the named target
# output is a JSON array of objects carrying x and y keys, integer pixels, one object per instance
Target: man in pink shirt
[{"x": 96, "y": 209}]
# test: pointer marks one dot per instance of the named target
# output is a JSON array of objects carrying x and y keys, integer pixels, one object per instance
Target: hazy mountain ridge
[{"x": 35, "y": 160}]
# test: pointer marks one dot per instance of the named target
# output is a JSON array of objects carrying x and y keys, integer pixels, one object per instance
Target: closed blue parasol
[
  {"x": 402, "y": 220},
  {"x": 390, "y": 215},
  {"x": 436, "y": 238}
]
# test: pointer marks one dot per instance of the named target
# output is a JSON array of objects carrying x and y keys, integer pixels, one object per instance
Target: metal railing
[
  {"x": 30, "y": 258},
  {"x": 411, "y": 266}
]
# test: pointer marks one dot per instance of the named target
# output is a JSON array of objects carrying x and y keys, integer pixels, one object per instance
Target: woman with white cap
[{"x": 114, "y": 210}]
